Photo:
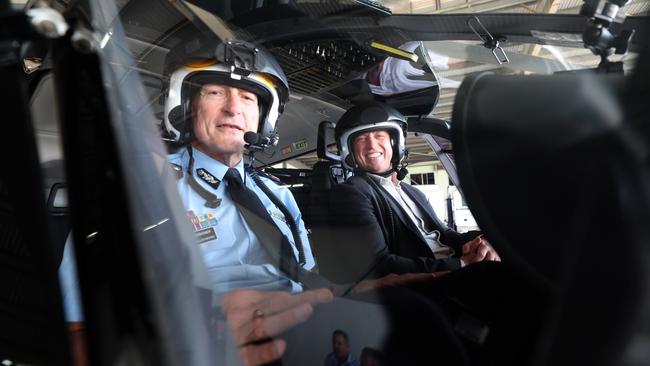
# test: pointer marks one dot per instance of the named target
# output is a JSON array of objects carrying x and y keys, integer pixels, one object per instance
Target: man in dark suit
[
  {"x": 378, "y": 226},
  {"x": 392, "y": 226}
]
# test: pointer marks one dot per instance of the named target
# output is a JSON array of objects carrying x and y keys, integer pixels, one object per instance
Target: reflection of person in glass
[
  {"x": 371, "y": 357},
  {"x": 340, "y": 355}
]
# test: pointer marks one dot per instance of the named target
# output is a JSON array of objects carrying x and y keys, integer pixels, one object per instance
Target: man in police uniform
[{"x": 210, "y": 105}]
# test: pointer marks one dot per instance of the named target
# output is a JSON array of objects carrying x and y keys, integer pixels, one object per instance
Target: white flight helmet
[
  {"x": 234, "y": 63},
  {"x": 371, "y": 117}
]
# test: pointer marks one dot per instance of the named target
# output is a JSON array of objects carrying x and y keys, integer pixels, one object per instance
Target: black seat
[
  {"x": 572, "y": 200},
  {"x": 325, "y": 175},
  {"x": 58, "y": 216},
  {"x": 58, "y": 219},
  {"x": 327, "y": 172},
  {"x": 31, "y": 313}
]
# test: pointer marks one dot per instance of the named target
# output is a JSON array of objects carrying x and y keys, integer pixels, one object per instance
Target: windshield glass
[
  {"x": 453, "y": 60},
  {"x": 634, "y": 7},
  {"x": 302, "y": 152}
]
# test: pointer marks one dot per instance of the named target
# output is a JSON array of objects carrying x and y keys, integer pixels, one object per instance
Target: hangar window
[{"x": 423, "y": 178}]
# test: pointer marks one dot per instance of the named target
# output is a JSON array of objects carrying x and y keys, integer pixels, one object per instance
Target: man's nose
[
  {"x": 233, "y": 103},
  {"x": 373, "y": 142}
]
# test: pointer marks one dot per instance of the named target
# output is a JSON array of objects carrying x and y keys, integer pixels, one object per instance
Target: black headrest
[
  {"x": 325, "y": 136},
  {"x": 322, "y": 177},
  {"x": 557, "y": 177},
  {"x": 541, "y": 136}
]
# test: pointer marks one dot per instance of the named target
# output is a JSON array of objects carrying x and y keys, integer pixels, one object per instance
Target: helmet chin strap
[
  {"x": 386, "y": 174},
  {"x": 401, "y": 173}
]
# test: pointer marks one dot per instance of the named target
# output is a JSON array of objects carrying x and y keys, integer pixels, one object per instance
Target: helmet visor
[{"x": 195, "y": 81}]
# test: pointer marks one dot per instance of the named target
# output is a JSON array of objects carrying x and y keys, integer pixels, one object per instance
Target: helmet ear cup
[
  {"x": 180, "y": 121},
  {"x": 176, "y": 117},
  {"x": 394, "y": 146}
]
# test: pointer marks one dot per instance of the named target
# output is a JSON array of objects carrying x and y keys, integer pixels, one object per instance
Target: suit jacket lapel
[
  {"x": 424, "y": 206},
  {"x": 401, "y": 214}
]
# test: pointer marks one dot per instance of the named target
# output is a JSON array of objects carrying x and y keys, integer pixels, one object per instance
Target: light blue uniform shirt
[
  {"x": 70, "y": 283},
  {"x": 231, "y": 250},
  {"x": 234, "y": 257}
]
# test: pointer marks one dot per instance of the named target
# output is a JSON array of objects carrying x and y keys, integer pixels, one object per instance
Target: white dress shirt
[{"x": 432, "y": 237}]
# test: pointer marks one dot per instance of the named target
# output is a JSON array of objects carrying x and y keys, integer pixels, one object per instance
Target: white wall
[{"x": 438, "y": 193}]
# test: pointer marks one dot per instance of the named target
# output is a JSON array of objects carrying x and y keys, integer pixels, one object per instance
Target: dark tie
[
  {"x": 269, "y": 235},
  {"x": 246, "y": 200}
]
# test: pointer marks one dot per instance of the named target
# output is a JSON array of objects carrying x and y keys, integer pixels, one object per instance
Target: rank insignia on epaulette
[{"x": 207, "y": 177}]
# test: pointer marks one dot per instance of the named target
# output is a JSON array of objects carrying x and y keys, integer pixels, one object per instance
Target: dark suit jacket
[{"x": 368, "y": 234}]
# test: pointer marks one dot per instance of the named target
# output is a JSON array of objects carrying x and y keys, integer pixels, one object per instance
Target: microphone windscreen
[
  {"x": 251, "y": 138},
  {"x": 401, "y": 174}
]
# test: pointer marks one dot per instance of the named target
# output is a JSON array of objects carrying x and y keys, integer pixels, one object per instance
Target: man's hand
[
  {"x": 255, "y": 316},
  {"x": 478, "y": 250},
  {"x": 77, "y": 336},
  {"x": 395, "y": 280}
]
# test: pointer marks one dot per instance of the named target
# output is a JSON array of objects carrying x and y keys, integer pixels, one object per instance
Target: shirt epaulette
[{"x": 273, "y": 178}]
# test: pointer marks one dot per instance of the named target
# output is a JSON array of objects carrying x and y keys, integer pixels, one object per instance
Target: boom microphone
[
  {"x": 401, "y": 174},
  {"x": 256, "y": 139}
]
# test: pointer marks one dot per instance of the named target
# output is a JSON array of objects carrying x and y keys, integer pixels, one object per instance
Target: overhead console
[
  {"x": 306, "y": 37},
  {"x": 316, "y": 66}
]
